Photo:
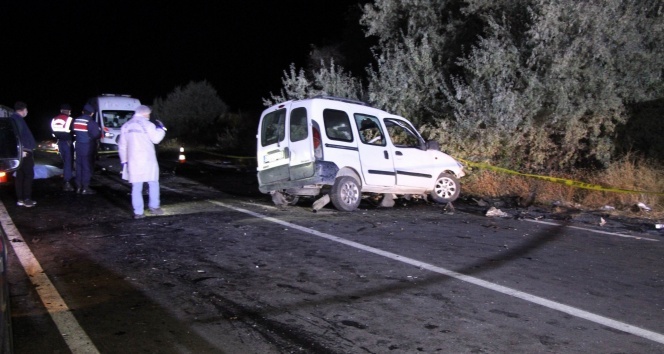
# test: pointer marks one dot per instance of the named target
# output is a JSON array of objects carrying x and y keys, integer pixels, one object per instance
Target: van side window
[
  {"x": 273, "y": 128},
  {"x": 298, "y": 124},
  {"x": 369, "y": 129},
  {"x": 401, "y": 134},
  {"x": 337, "y": 125}
]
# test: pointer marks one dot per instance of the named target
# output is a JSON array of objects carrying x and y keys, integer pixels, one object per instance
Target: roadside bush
[
  {"x": 536, "y": 85},
  {"x": 238, "y": 131},
  {"x": 629, "y": 173},
  {"x": 192, "y": 114}
]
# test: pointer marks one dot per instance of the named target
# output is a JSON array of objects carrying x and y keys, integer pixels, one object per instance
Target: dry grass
[{"x": 629, "y": 173}]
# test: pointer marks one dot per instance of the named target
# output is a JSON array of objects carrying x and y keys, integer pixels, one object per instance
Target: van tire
[
  {"x": 446, "y": 189},
  {"x": 345, "y": 193}
]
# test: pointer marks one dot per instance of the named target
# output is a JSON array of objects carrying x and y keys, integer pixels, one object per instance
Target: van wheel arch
[{"x": 347, "y": 171}]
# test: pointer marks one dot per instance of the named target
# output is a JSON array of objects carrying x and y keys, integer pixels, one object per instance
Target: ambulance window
[
  {"x": 115, "y": 119},
  {"x": 298, "y": 124},
  {"x": 273, "y": 127},
  {"x": 337, "y": 125}
]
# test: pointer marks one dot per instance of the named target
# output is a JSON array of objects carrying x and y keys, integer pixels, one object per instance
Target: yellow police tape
[{"x": 567, "y": 182}]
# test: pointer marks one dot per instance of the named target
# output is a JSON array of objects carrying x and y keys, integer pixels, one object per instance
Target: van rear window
[
  {"x": 298, "y": 124},
  {"x": 273, "y": 127},
  {"x": 337, "y": 125}
]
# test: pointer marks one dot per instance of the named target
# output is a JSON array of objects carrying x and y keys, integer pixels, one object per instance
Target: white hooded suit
[{"x": 136, "y": 147}]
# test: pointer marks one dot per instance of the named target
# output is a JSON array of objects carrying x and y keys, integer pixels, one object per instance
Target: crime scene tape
[{"x": 567, "y": 182}]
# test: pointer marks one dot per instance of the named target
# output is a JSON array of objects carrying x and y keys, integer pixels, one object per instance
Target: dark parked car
[
  {"x": 10, "y": 160},
  {"x": 10, "y": 149}
]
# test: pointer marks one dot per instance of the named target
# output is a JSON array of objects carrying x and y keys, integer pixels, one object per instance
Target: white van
[
  {"x": 112, "y": 111},
  {"x": 346, "y": 150}
]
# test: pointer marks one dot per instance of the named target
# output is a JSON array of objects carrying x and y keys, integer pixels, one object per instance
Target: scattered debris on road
[{"x": 493, "y": 211}]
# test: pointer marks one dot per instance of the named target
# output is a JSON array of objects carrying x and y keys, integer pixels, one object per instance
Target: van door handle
[
  {"x": 398, "y": 153},
  {"x": 286, "y": 153},
  {"x": 387, "y": 156}
]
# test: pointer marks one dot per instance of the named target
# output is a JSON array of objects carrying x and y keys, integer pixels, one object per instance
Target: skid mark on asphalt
[
  {"x": 595, "y": 231},
  {"x": 75, "y": 337},
  {"x": 605, "y": 321}
]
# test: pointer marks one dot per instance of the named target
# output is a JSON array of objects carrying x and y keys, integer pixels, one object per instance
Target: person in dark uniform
[
  {"x": 25, "y": 175},
  {"x": 86, "y": 132},
  {"x": 61, "y": 127}
]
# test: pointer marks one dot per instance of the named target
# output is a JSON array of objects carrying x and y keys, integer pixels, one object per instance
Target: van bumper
[
  {"x": 108, "y": 147},
  {"x": 325, "y": 173}
]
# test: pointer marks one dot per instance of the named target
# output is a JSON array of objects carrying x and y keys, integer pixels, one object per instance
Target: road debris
[
  {"x": 497, "y": 212},
  {"x": 387, "y": 201},
  {"x": 321, "y": 202},
  {"x": 643, "y": 207},
  {"x": 480, "y": 202}
]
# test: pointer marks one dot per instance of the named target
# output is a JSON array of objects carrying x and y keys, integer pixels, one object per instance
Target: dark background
[{"x": 68, "y": 51}]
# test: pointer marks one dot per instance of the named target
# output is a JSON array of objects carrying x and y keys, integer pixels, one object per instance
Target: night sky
[{"x": 68, "y": 51}]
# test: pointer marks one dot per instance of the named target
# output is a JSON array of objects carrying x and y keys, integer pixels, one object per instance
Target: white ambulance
[
  {"x": 342, "y": 151},
  {"x": 112, "y": 111}
]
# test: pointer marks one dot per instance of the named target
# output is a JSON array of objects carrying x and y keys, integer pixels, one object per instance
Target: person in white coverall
[{"x": 139, "y": 160}]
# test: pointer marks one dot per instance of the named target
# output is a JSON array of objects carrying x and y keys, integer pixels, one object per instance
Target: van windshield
[{"x": 115, "y": 119}]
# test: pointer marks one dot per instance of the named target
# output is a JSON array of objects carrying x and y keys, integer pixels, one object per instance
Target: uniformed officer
[
  {"x": 86, "y": 133},
  {"x": 61, "y": 127}
]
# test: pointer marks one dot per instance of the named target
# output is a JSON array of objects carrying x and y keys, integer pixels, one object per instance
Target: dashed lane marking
[
  {"x": 605, "y": 321},
  {"x": 71, "y": 331}
]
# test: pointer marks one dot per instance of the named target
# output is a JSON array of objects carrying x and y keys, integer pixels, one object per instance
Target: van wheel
[
  {"x": 345, "y": 193},
  {"x": 446, "y": 189}
]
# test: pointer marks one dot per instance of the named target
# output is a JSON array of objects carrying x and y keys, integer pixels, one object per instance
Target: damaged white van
[{"x": 340, "y": 150}]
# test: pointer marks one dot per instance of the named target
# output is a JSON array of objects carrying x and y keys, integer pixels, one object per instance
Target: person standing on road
[
  {"x": 86, "y": 132},
  {"x": 61, "y": 127},
  {"x": 139, "y": 159},
  {"x": 25, "y": 175}
]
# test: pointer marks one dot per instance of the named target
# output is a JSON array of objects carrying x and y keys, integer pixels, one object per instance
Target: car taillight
[
  {"x": 3, "y": 177},
  {"x": 318, "y": 148}
]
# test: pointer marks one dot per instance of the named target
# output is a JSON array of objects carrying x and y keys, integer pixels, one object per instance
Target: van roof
[{"x": 341, "y": 99}]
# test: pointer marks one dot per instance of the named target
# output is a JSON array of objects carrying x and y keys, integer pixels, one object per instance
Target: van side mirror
[{"x": 432, "y": 145}]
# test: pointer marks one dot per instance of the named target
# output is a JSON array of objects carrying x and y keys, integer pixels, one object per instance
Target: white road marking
[
  {"x": 605, "y": 321},
  {"x": 75, "y": 337},
  {"x": 592, "y": 230}
]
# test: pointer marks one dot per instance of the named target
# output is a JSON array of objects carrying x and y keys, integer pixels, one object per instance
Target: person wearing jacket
[
  {"x": 139, "y": 159},
  {"x": 61, "y": 128},
  {"x": 86, "y": 133},
  {"x": 25, "y": 175}
]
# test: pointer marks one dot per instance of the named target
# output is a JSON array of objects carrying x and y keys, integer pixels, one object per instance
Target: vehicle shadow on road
[{"x": 112, "y": 311}]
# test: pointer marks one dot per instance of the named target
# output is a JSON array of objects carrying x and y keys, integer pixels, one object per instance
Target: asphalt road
[{"x": 225, "y": 271}]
